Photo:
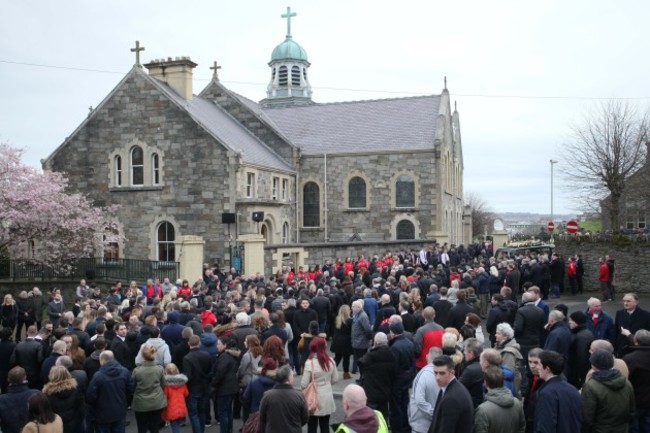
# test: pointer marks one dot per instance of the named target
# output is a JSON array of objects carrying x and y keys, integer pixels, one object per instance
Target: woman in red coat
[{"x": 176, "y": 392}]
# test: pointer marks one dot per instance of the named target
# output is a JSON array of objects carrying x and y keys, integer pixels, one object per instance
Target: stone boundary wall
[
  {"x": 317, "y": 253},
  {"x": 632, "y": 263}
]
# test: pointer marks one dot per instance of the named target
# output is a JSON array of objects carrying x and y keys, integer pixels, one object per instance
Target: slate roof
[
  {"x": 226, "y": 129},
  {"x": 346, "y": 127}
]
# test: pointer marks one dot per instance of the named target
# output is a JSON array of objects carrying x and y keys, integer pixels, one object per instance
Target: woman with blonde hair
[
  {"x": 176, "y": 392},
  {"x": 8, "y": 313},
  {"x": 148, "y": 399},
  {"x": 86, "y": 315},
  {"x": 450, "y": 348},
  {"x": 66, "y": 399},
  {"x": 342, "y": 339}
]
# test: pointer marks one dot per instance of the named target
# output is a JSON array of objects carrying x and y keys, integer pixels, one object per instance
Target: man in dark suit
[
  {"x": 454, "y": 410},
  {"x": 629, "y": 320},
  {"x": 197, "y": 366},
  {"x": 529, "y": 322}
]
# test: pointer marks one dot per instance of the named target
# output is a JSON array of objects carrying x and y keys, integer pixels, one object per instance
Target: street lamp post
[{"x": 552, "y": 164}]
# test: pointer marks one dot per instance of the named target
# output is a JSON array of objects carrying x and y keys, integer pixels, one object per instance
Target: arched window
[
  {"x": 311, "y": 205},
  {"x": 404, "y": 191},
  {"x": 111, "y": 245},
  {"x": 137, "y": 166},
  {"x": 295, "y": 76},
  {"x": 357, "y": 193},
  {"x": 155, "y": 169},
  {"x": 165, "y": 242},
  {"x": 118, "y": 171},
  {"x": 283, "y": 76},
  {"x": 285, "y": 233},
  {"x": 405, "y": 230}
]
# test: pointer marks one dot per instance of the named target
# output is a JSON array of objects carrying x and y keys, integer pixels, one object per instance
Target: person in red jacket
[
  {"x": 571, "y": 272},
  {"x": 603, "y": 278},
  {"x": 175, "y": 390}
]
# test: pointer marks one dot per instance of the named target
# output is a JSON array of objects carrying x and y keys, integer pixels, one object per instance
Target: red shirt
[{"x": 604, "y": 272}]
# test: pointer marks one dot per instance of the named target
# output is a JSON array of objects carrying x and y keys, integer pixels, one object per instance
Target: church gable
[{"x": 251, "y": 117}]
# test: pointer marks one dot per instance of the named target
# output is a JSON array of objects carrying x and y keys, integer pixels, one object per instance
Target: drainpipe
[
  {"x": 325, "y": 191},
  {"x": 296, "y": 212}
]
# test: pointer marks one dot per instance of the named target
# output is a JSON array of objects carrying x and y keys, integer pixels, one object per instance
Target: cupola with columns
[{"x": 289, "y": 84}]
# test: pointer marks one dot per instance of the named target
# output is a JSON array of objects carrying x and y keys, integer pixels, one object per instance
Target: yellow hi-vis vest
[{"x": 383, "y": 428}]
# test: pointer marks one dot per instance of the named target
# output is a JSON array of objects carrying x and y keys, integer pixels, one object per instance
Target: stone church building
[{"x": 178, "y": 164}]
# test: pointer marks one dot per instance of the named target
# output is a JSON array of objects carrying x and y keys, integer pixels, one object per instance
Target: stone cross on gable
[
  {"x": 215, "y": 68},
  {"x": 137, "y": 50},
  {"x": 288, "y": 16}
]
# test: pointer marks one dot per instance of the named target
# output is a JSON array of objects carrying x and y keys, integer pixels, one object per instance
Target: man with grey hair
[
  {"x": 559, "y": 336},
  {"x": 619, "y": 364},
  {"x": 108, "y": 393},
  {"x": 424, "y": 395},
  {"x": 529, "y": 323},
  {"x": 360, "y": 333},
  {"x": 58, "y": 349},
  {"x": 378, "y": 372},
  {"x": 427, "y": 336},
  {"x": 638, "y": 361},
  {"x": 244, "y": 329},
  {"x": 472, "y": 375},
  {"x": 283, "y": 408},
  {"x": 600, "y": 323},
  {"x": 358, "y": 416},
  {"x": 627, "y": 321}
]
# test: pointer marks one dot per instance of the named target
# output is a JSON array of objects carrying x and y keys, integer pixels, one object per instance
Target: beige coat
[
  {"x": 324, "y": 380},
  {"x": 53, "y": 427}
]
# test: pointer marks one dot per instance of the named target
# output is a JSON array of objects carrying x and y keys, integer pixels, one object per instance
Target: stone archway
[{"x": 266, "y": 230}]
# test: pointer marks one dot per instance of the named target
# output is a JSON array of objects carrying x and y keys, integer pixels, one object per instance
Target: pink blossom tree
[{"x": 34, "y": 206}]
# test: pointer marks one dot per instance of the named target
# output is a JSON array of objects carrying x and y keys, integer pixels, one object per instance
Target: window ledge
[
  {"x": 355, "y": 209},
  {"x": 135, "y": 188},
  {"x": 312, "y": 229},
  {"x": 404, "y": 209}
]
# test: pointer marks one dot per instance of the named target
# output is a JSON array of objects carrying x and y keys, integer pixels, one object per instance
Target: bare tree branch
[
  {"x": 604, "y": 151},
  {"x": 482, "y": 216}
]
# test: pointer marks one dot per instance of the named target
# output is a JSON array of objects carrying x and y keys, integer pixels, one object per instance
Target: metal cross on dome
[{"x": 288, "y": 16}]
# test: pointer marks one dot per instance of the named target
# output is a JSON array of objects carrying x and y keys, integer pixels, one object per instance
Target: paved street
[{"x": 573, "y": 302}]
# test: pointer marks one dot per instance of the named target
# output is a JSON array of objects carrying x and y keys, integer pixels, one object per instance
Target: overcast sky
[{"x": 522, "y": 72}]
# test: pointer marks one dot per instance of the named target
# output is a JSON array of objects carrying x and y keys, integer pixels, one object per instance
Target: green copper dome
[{"x": 289, "y": 50}]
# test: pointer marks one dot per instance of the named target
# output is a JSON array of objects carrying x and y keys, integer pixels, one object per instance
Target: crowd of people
[{"x": 407, "y": 329}]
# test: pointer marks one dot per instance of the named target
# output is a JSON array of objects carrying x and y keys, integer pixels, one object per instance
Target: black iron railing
[{"x": 91, "y": 268}]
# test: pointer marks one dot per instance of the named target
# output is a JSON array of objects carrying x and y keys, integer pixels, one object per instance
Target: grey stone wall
[
  {"x": 632, "y": 270},
  {"x": 379, "y": 170},
  {"x": 195, "y": 181}
]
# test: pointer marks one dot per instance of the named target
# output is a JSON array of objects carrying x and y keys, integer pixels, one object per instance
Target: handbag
[
  {"x": 311, "y": 393},
  {"x": 252, "y": 424}
]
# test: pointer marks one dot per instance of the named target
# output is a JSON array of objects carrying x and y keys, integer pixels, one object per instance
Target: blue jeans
[
  {"x": 113, "y": 427},
  {"x": 224, "y": 405},
  {"x": 175, "y": 425},
  {"x": 196, "y": 411},
  {"x": 641, "y": 421}
]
